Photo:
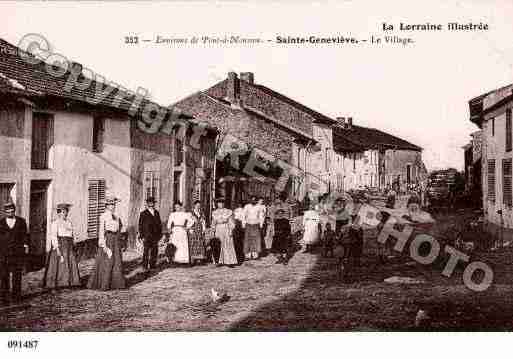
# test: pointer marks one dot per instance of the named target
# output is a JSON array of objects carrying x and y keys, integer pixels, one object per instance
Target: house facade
[
  {"x": 57, "y": 146},
  {"x": 383, "y": 159},
  {"x": 492, "y": 112}
]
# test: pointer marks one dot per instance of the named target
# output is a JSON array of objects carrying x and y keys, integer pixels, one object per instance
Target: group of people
[{"x": 242, "y": 234}]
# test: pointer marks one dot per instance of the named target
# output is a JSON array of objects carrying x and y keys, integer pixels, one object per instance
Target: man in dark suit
[
  {"x": 14, "y": 243},
  {"x": 150, "y": 231}
]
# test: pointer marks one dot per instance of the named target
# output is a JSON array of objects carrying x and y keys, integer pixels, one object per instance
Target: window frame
[{"x": 98, "y": 134}]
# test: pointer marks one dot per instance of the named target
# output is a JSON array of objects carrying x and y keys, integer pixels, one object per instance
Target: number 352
[{"x": 131, "y": 39}]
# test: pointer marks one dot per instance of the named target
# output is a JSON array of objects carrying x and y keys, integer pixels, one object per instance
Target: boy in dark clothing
[
  {"x": 355, "y": 235},
  {"x": 328, "y": 240}
]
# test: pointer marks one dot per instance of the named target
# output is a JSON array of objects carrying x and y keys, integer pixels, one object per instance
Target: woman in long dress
[
  {"x": 311, "y": 224},
  {"x": 197, "y": 234},
  {"x": 223, "y": 223},
  {"x": 61, "y": 265},
  {"x": 179, "y": 223},
  {"x": 108, "y": 267}
]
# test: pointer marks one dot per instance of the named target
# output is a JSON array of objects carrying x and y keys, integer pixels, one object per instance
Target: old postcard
[{"x": 255, "y": 167}]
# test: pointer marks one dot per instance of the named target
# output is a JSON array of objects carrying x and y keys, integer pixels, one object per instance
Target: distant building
[
  {"x": 385, "y": 160},
  {"x": 473, "y": 174},
  {"x": 492, "y": 113}
]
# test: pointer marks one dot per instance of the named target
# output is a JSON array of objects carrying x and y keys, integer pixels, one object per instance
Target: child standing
[{"x": 328, "y": 240}]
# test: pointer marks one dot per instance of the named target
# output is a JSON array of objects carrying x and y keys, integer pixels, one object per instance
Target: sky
[{"x": 418, "y": 92}]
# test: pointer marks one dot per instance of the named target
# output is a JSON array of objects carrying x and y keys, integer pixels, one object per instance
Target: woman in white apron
[
  {"x": 179, "y": 223},
  {"x": 311, "y": 221}
]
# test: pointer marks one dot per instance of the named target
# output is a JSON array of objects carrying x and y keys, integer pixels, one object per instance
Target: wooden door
[
  {"x": 5, "y": 193},
  {"x": 38, "y": 223}
]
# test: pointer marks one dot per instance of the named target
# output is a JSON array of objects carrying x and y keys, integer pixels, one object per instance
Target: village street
[{"x": 305, "y": 295}]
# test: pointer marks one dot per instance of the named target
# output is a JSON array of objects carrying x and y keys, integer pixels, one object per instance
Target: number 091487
[{"x": 22, "y": 344}]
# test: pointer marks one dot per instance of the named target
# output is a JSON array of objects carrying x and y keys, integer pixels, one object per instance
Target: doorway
[
  {"x": 5, "y": 192},
  {"x": 38, "y": 223}
]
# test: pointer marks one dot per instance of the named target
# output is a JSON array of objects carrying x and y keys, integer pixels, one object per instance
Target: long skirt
[
  {"x": 282, "y": 235},
  {"x": 252, "y": 239},
  {"x": 62, "y": 273},
  {"x": 180, "y": 240},
  {"x": 227, "y": 253},
  {"x": 197, "y": 242},
  {"x": 238, "y": 240},
  {"x": 108, "y": 272},
  {"x": 311, "y": 235}
]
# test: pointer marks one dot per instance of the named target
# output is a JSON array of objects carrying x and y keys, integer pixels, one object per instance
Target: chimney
[
  {"x": 76, "y": 67},
  {"x": 248, "y": 77},
  {"x": 233, "y": 89},
  {"x": 349, "y": 122}
]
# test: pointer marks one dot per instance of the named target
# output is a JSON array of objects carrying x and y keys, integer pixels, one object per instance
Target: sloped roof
[
  {"x": 373, "y": 138},
  {"x": 33, "y": 80},
  {"x": 273, "y": 104}
]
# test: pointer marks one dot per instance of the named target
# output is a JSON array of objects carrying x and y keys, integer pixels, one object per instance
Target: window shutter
[
  {"x": 491, "y": 180},
  {"x": 96, "y": 206},
  {"x": 506, "y": 182}
]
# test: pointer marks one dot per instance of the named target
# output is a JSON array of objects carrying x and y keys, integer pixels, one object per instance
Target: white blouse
[
  {"x": 59, "y": 228},
  {"x": 253, "y": 214},
  {"x": 108, "y": 222},
  {"x": 181, "y": 219}
]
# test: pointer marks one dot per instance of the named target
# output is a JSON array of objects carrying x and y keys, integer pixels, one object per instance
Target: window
[
  {"x": 493, "y": 126},
  {"x": 98, "y": 133},
  {"x": 506, "y": 182},
  {"x": 96, "y": 206},
  {"x": 508, "y": 130},
  {"x": 354, "y": 161},
  {"x": 151, "y": 185},
  {"x": 491, "y": 180},
  {"x": 42, "y": 140},
  {"x": 178, "y": 151}
]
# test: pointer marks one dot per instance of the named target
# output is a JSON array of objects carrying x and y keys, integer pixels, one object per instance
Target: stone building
[
  {"x": 263, "y": 119},
  {"x": 57, "y": 146}
]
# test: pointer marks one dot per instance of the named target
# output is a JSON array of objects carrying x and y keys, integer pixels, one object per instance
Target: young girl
[{"x": 328, "y": 240}]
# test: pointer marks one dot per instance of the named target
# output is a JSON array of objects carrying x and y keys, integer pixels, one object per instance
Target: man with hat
[
  {"x": 150, "y": 231},
  {"x": 14, "y": 243}
]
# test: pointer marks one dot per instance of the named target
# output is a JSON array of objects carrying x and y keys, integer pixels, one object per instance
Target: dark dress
[
  {"x": 197, "y": 238},
  {"x": 282, "y": 239},
  {"x": 62, "y": 274},
  {"x": 108, "y": 272}
]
